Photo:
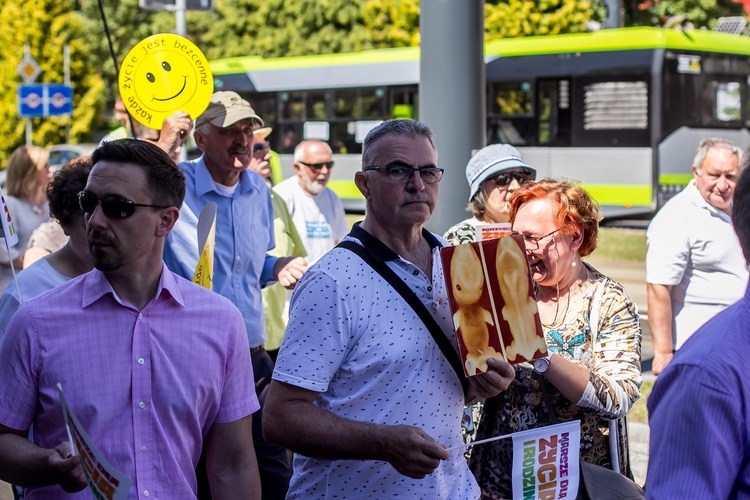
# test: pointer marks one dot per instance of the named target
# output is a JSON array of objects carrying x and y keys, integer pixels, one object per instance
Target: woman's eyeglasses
[
  {"x": 505, "y": 178},
  {"x": 113, "y": 207},
  {"x": 532, "y": 242},
  {"x": 402, "y": 173}
]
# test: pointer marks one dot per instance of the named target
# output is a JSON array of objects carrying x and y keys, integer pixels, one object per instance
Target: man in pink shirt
[{"x": 150, "y": 363}]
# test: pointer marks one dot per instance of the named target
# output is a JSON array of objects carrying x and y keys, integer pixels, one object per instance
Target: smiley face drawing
[{"x": 162, "y": 74}]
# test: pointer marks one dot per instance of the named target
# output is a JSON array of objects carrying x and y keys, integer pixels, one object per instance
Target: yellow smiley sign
[{"x": 162, "y": 74}]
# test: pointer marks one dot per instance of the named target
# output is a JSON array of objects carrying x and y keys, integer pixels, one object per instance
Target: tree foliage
[
  {"x": 392, "y": 23},
  {"x": 511, "y": 18},
  {"x": 128, "y": 24},
  {"x": 698, "y": 13},
  {"x": 268, "y": 28},
  {"x": 274, "y": 28},
  {"x": 46, "y": 25}
]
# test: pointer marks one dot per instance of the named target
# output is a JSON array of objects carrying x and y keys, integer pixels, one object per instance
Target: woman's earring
[{"x": 573, "y": 264}]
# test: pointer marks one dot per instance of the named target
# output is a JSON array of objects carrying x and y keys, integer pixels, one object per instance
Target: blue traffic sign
[{"x": 47, "y": 99}]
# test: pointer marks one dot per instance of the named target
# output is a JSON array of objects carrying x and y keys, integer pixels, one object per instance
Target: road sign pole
[
  {"x": 66, "y": 66},
  {"x": 180, "y": 17},
  {"x": 28, "y": 132}
]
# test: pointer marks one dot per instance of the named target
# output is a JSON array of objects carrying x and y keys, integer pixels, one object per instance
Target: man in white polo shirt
[
  {"x": 694, "y": 264},
  {"x": 362, "y": 392}
]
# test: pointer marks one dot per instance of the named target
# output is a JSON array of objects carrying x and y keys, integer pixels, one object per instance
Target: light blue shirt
[
  {"x": 244, "y": 235},
  {"x": 32, "y": 281}
]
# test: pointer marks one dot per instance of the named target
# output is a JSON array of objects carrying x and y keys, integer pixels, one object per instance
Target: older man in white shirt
[{"x": 694, "y": 264}]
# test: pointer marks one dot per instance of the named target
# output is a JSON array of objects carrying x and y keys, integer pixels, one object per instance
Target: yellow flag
[{"x": 204, "y": 271}]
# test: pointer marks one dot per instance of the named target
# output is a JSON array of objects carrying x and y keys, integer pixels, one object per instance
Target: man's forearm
[
  {"x": 240, "y": 480},
  {"x": 231, "y": 464},
  {"x": 22, "y": 462},
  {"x": 660, "y": 317},
  {"x": 313, "y": 432}
]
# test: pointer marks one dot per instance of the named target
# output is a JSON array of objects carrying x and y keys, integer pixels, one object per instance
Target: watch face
[{"x": 541, "y": 365}]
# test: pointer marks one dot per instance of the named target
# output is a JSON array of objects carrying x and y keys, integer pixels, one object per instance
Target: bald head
[{"x": 313, "y": 164}]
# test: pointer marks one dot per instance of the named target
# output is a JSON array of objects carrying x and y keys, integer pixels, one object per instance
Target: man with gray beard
[{"x": 316, "y": 210}]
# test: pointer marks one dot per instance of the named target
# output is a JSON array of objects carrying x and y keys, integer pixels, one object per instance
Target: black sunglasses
[
  {"x": 317, "y": 167},
  {"x": 505, "y": 178},
  {"x": 113, "y": 207},
  {"x": 260, "y": 149}
]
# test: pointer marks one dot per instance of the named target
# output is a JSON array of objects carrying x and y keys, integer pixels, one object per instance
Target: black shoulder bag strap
[{"x": 411, "y": 298}]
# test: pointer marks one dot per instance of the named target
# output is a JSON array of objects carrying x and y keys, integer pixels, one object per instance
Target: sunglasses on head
[
  {"x": 113, "y": 206},
  {"x": 505, "y": 178}
]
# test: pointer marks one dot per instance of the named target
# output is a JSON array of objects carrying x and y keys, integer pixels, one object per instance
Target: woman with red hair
[{"x": 592, "y": 371}]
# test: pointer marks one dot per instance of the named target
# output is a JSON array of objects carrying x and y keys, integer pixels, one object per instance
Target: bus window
[
  {"x": 342, "y": 138},
  {"x": 360, "y": 103},
  {"x": 265, "y": 105},
  {"x": 316, "y": 106},
  {"x": 553, "y": 112},
  {"x": 292, "y": 105},
  {"x": 287, "y": 138},
  {"x": 403, "y": 102},
  {"x": 727, "y": 101},
  {"x": 510, "y": 115}
]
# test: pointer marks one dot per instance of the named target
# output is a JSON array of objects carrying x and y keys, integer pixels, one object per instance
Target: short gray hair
[
  {"x": 204, "y": 128},
  {"x": 711, "y": 143},
  {"x": 409, "y": 128}
]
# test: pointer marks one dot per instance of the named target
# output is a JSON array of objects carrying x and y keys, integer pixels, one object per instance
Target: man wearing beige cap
[{"x": 244, "y": 236}]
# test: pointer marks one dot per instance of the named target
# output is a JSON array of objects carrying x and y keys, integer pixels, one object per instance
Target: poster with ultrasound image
[{"x": 492, "y": 300}]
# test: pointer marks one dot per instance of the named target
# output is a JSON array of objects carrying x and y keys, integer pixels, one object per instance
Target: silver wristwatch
[{"x": 542, "y": 364}]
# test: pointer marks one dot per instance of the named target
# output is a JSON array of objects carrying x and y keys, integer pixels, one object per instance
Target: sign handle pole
[{"x": 28, "y": 132}]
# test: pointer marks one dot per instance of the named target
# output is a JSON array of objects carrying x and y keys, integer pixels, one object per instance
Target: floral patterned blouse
[
  {"x": 463, "y": 232},
  {"x": 614, "y": 361}
]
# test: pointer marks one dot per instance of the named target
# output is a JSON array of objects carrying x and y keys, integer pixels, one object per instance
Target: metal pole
[
  {"x": 66, "y": 77},
  {"x": 66, "y": 63},
  {"x": 452, "y": 96},
  {"x": 180, "y": 18},
  {"x": 28, "y": 132},
  {"x": 614, "y": 16}
]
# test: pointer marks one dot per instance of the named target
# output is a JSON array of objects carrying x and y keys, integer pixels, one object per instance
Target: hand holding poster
[
  {"x": 163, "y": 74},
  {"x": 546, "y": 462},
  {"x": 105, "y": 481}
]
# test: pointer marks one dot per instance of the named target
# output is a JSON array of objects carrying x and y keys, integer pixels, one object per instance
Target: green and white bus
[{"x": 620, "y": 110}]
